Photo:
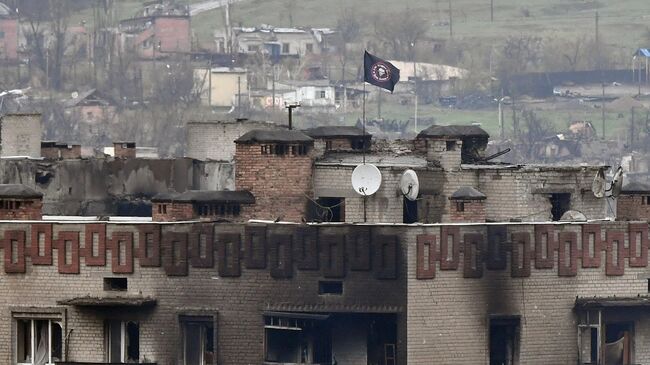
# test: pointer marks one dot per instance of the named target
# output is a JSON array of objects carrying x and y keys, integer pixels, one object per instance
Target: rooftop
[
  {"x": 260, "y": 135},
  {"x": 193, "y": 196},
  {"x": 335, "y": 131},
  {"x": 467, "y": 192},
  {"x": 453, "y": 131},
  {"x": 635, "y": 188},
  {"x": 18, "y": 191},
  {"x": 378, "y": 159}
]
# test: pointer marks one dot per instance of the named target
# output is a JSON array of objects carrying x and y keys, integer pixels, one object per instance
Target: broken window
[
  {"x": 504, "y": 340},
  {"x": 330, "y": 209},
  {"x": 38, "y": 341},
  {"x": 560, "y": 203},
  {"x": 410, "y": 211},
  {"x": 451, "y": 146},
  {"x": 198, "y": 340},
  {"x": 303, "y": 340},
  {"x": 115, "y": 284},
  {"x": 588, "y": 336},
  {"x": 330, "y": 287},
  {"x": 358, "y": 143},
  {"x": 122, "y": 339},
  {"x": 618, "y": 343},
  {"x": 460, "y": 206}
]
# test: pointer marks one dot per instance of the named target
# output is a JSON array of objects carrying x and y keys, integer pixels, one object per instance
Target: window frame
[
  {"x": 123, "y": 340},
  {"x": 52, "y": 315},
  {"x": 196, "y": 316}
]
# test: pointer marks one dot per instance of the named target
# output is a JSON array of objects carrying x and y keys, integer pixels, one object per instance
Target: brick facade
[
  {"x": 21, "y": 209},
  {"x": 281, "y": 184},
  {"x": 466, "y": 211},
  {"x": 631, "y": 207},
  {"x": 124, "y": 149}
]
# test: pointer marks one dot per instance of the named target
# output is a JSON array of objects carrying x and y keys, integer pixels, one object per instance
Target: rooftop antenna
[
  {"x": 291, "y": 107},
  {"x": 409, "y": 185}
]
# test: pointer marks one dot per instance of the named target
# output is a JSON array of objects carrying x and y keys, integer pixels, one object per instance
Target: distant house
[
  {"x": 8, "y": 34},
  {"x": 156, "y": 30},
  {"x": 91, "y": 107},
  {"x": 276, "y": 42},
  {"x": 316, "y": 94},
  {"x": 220, "y": 85}
]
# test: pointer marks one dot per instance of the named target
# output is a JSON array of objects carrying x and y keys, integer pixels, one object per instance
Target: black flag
[{"x": 379, "y": 72}]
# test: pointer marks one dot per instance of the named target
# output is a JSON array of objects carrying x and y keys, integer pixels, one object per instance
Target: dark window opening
[
  {"x": 330, "y": 287},
  {"x": 309, "y": 47},
  {"x": 410, "y": 214},
  {"x": 133, "y": 342},
  {"x": 32, "y": 340},
  {"x": 358, "y": 143},
  {"x": 460, "y": 206},
  {"x": 451, "y": 146},
  {"x": 115, "y": 284},
  {"x": 330, "y": 210},
  {"x": 619, "y": 338},
  {"x": 560, "y": 203},
  {"x": 646, "y": 200},
  {"x": 297, "y": 341},
  {"x": 328, "y": 145},
  {"x": 198, "y": 340},
  {"x": 285, "y": 48},
  {"x": 207, "y": 210},
  {"x": 504, "y": 341},
  {"x": 122, "y": 341}
]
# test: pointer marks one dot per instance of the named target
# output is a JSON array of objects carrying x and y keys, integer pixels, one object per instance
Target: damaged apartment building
[{"x": 289, "y": 265}]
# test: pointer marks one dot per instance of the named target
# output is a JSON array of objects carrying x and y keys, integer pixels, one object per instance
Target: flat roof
[{"x": 263, "y": 135}]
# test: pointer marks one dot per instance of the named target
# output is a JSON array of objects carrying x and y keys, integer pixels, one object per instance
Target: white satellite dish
[
  {"x": 74, "y": 95},
  {"x": 366, "y": 179},
  {"x": 617, "y": 182},
  {"x": 409, "y": 185},
  {"x": 598, "y": 186}
]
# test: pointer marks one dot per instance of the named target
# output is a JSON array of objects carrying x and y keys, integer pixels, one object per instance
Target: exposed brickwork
[
  {"x": 63, "y": 151},
  {"x": 631, "y": 207},
  {"x": 29, "y": 209},
  {"x": 280, "y": 184},
  {"x": 468, "y": 211},
  {"x": 172, "y": 212},
  {"x": 124, "y": 150},
  {"x": 9, "y": 42}
]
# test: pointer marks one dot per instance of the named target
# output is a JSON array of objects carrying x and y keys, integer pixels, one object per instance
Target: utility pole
[
  {"x": 597, "y": 38},
  {"x": 239, "y": 95},
  {"x": 602, "y": 108},
  {"x": 491, "y": 11},
  {"x": 451, "y": 29}
]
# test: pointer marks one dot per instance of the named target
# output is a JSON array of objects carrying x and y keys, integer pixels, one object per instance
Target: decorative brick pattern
[
  {"x": 14, "y": 244},
  {"x": 333, "y": 256},
  {"x": 426, "y": 263},
  {"x": 545, "y": 246},
  {"x": 45, "y": 231},
  {"x": 202, "y": 243},
  {"x": 281, "y": 256},
  {"x": 229, "y": 254},
  {"x": 122, "y": 262},
  {"x": 638, "y": 238},
  {"x": 386, "y": 254},
  {"x": 255, "y": 247},
  {"x": 60, "y": 244},
  {"x": 305, "y": 244},
  {"x": 357, "y": 242},
  {"x": 497, "y": 238},
  {"x": 521, "y": 255},
  {"x": 472, "y": 255},
  {"x": 616, "y": 253},
  {"x": 591, "y": 233},
  {"x": 174, "y": 253},
  {"x": 569, "y": 268},
  {"x": 149, "y": 245},
  {"x": 449, "y": 236},
  {"x": 92, "y": 231}
]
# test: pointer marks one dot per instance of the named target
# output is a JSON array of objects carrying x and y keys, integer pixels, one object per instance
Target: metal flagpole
[{"x": 364, "y": 123}]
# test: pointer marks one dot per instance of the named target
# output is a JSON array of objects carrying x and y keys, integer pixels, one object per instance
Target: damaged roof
[
  {"x": 635, "y": 188},
  {"x": 335, "y": 131},
  {"x": 125, "y": 301},
  {"x": 600, "y": 302},
  {"x": 467, "y": 192},
  {"x": 286, "y": 136},
  {"x": 200, "y": 196},
  {"x": 453, "y": 131},
  {"x": 18, "y": 191}
]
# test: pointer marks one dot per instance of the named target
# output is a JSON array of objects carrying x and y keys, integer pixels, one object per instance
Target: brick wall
[
  {"x": 173, "y": 33},
  {"x": 124, "y": 150},
  {"x": 61, "y": 152},
  {"x": 30, "y": 209},
  {"x": 632, "y": 207},
  {"x": 281, "y": 184},
  {"x": 172, "y": 212},
  {"x": 473, "y": 211},
  {"x": 9, "y": 43},
  {"x": 437, "y": 151},
  {"x": 215, "y": 140},
  {"x": 236, "y": 282},
  {"x": 21, "y": 135}
]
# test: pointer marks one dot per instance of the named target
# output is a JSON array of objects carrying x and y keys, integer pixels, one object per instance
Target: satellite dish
[
  {"x": 598, "y": 186},
  {"x": 366, "y": 179},
  {"x": 74, "y": 95},
  {"x": 409, "y": 185},
  {"x": 617, "y": 182}
]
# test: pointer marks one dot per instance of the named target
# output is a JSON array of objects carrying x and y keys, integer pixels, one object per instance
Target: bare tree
[
  {"x": 349, "y": 30},
  {"x": 400, "y": 32}
]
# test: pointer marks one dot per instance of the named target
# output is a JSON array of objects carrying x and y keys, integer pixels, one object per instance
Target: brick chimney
[
  {"x": 633, "y": 204},
  {"x": 466, "y": 205},
  {"x": 276, "y": 167},
  {"x": 452, "y": 145},
  {"x": 55, "y": 150},
  {"x": 124, "y": 149},
  {"x": 20, "y": 202},
  {"x": 200, "y": 205},
  {"x": 338, "y": 139}
]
